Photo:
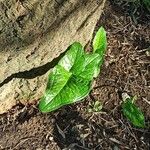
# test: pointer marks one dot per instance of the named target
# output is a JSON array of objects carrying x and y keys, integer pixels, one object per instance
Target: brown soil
[{"x": 126, "y": 69}]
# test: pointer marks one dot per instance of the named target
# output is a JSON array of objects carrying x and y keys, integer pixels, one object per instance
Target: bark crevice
[{"x": 34, "y": 72}]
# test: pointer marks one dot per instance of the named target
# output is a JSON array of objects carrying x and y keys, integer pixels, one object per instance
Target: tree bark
[{"x": 33, "y": 36}]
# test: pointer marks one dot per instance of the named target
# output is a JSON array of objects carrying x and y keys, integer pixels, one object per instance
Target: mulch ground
[{"x": 126, "y": 69}]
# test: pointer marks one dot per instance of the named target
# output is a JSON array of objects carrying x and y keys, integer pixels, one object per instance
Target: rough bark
[{"x": 33, "y": 36}]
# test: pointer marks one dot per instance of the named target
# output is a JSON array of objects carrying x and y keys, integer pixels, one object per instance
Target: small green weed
[
  {"x": 132, "y": 112},
  {"x": 95, "y": 107}
]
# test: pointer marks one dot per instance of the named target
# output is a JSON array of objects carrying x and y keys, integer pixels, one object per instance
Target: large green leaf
[
  {"x": 63, "y": 88},
  {"x": 70, "y": 80},
  {"x": 133, "y": 113},
  {"x": 90, "y": 66},
  {"x": 81, "y": 64},
  {"x": 73, "y": 59}
]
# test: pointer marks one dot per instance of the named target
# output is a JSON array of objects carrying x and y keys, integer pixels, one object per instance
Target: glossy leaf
[
  {"x": 73, "y": 59},
  {"x": 133, "y": 113},
  {"x": 79, "y": 63},
  {"x": 65, "y": 88},
  {"x": 90, "y": 66},
  {"x": 70, "y": 80},
  {"x": 100, "y": 42}
]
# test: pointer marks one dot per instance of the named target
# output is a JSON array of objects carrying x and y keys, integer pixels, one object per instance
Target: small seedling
[
  {"x": 95, "y": 107},
  {"x": 132, "y": 112},
  {"x": 71, "y": 79}
]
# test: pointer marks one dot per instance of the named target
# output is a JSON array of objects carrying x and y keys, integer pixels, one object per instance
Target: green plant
[
  {"x": 95, "y": 107},
  {"x": 132, "y": 112},
  {"x": 71, "y": 79}
]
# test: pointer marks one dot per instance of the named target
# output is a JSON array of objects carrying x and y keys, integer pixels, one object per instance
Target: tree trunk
[{"x": 33, "y": 36}]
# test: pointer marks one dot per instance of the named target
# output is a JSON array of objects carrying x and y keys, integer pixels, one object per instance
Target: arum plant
[{"x": 71, "y": 79}]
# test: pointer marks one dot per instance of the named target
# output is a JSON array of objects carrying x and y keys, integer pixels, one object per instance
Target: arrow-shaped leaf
[
  {"x": 70, "y": 80},
  {"x": 65, "y": 88}
]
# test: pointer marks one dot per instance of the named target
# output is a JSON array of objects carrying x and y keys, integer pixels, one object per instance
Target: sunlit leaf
[
  {"x": 70, "y": 80},
  {"x": 100, "y": 42},
  {"x": 65, "y": 88}
]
